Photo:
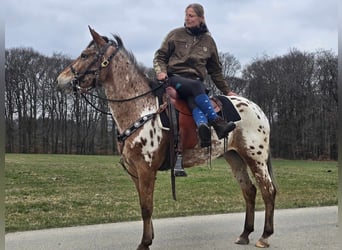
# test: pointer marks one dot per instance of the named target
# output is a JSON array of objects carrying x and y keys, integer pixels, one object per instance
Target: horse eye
[{"x": 84, "y": 56}]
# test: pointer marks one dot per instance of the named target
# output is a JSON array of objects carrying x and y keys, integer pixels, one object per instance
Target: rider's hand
[
  {"x": 161, "y": 76},
  {"x": 231, "y": 93}
]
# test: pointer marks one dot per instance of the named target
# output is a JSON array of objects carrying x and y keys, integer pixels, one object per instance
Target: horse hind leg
[
  {"x": 264, "y": 177},
  {"x": 240, "y": 172}
]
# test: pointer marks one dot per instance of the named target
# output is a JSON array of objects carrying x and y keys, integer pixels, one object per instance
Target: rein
[
  {"x": 161, "y": 84},
  {"x": 93, "y": 106}
]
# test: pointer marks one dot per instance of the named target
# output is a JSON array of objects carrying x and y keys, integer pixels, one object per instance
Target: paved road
[{"x": 309, "y": 228}]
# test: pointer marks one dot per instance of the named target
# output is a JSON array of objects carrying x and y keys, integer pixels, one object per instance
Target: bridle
[{"x": 78, "y": 77}]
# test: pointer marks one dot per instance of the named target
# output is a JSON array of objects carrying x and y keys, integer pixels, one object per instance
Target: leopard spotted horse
[{"x": 106, "y": 63}]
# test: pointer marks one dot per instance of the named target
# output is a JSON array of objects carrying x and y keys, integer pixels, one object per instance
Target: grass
[{"x": 47, "y": 191}]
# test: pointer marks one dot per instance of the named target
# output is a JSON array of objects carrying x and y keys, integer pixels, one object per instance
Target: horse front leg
[{"x": 145, "y": 187}]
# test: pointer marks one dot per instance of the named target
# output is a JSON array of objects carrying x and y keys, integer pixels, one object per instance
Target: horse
[{"x": 144, "y": 141}]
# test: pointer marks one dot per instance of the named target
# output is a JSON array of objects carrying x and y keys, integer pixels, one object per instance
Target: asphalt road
[{"x": 307, "y": 228}]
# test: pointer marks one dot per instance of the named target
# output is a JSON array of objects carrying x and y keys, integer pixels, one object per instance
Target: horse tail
[{"x": 270, "y": 171}]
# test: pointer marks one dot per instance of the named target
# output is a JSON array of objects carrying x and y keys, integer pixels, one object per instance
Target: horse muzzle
[{"x": 65, "y": 84}]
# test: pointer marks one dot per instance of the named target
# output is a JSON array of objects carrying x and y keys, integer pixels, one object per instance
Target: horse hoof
[
  {"x": 142, "y": 247},
  {"x": 262, "y": 243},
  {"x": 242, "y": 241}
]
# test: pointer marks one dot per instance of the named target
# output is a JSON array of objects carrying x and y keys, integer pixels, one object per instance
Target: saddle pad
[{"x": 229, "y": 111}]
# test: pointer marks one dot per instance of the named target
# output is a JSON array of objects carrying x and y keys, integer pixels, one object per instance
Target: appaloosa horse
[{"x": 132, "y": 104}]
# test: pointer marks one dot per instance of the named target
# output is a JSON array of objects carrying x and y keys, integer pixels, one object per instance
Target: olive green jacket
[{"x": 190, "y": 56}]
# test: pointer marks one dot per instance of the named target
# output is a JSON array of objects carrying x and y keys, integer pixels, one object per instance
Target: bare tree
[{"x": 290, "y": 92}]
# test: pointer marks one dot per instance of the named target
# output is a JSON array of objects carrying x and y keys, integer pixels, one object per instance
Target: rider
[{"x": 187, "y": 55}]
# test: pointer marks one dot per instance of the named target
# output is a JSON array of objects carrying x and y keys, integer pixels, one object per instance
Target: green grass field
[{"x": 47, "y": 191}]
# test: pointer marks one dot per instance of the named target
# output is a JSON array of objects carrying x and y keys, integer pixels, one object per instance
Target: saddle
[
  {"x": 187, "y": 129},
  {"x": 184, "y": 132}
]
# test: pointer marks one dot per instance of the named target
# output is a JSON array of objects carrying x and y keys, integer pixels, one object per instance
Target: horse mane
[
  {"x": 140, "y": 68},
  {"x": 119, "y": 43}
]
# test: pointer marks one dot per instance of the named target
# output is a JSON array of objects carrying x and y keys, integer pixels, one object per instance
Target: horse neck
[{"x": 124, "y": 82}]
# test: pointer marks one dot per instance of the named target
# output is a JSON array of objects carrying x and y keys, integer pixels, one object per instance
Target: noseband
[{"x": 78, "y": 77}]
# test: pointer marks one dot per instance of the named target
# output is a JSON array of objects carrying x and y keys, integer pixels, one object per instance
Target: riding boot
[
  {"x": 204, "y": 132},
  {"x": 222, "y": 127}
]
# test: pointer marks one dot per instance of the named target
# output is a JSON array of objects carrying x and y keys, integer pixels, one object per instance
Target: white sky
[{"x": 247, "y": 29}]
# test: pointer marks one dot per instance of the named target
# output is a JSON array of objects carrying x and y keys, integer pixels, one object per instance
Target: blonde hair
[{"x": 199, "y": 10}]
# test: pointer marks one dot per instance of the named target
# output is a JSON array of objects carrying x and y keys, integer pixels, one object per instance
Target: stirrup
[{"x": 179, "y": 170}]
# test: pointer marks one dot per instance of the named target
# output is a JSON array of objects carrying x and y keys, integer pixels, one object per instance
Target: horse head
[{"x": 90, "y": 67}]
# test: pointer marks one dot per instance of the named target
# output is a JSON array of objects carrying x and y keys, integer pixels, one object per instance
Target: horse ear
[{"x": 96, "y": 36}]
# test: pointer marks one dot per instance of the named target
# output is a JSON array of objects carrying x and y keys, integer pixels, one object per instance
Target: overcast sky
[{"x": 247, "y": 29}]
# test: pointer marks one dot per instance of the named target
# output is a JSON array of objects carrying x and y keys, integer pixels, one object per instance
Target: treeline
[
  {"x": 40, "y": 119},
  {"x": 297, "y": 91}
]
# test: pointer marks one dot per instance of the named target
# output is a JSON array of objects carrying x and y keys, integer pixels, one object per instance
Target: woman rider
[{"x": 185, "y": 57}]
